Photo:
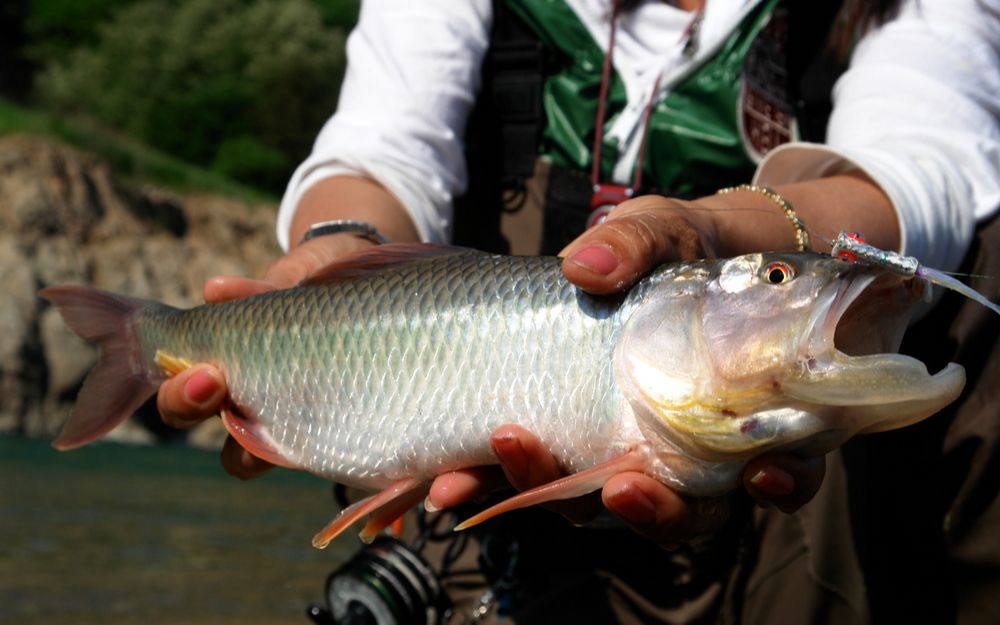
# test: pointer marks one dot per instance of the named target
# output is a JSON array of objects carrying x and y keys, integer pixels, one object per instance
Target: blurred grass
[{"x": 132, "y": 160}]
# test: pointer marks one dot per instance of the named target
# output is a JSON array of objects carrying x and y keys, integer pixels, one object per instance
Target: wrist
[
  {"x": 351, "y": 198},
  {"x": 802, "y": 242},
  {"x": 747, "y": 221}
]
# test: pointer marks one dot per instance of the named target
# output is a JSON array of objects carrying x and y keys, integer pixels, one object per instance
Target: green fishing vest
[
  {"x": 694, "y": 143},
  {"x": 541, "y": 82}
]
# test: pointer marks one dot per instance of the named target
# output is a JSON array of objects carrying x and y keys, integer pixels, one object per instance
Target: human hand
[
  {"x": 198, "y": 393},
  {"x": 637, "y": 236},
  {"x": 644, "y": 504}
]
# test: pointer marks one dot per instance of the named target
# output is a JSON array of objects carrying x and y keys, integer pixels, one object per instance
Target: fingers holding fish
[
  {"x": 240, "y": 463},
  {"x": 191, "y": 396},
  {"x": 650, "y": 508},
  {"x": 784, "y": 480},
  {"x": 194, "y": 395},
  {"x": 637, "y": 236},
  {"x": 456, "y": 487},
  {"x": 659, "y": 513},
  {"x": 524, "y": 463},
  {"x": 646, "y": 505},
  {"x": 527, "y": 464},
  {"x": 524, "y": 459},
  {"x": 309, "y": 256},
  {"x": 286, "y": 271},
  {"x": 198, "y": 393},
  {"x": 220, "y": 289}
]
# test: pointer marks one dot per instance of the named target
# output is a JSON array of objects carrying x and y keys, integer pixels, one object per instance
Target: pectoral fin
[
  {"x": 392, "y": 513},
  {"x": 384, "y": 508},
  {"x": 575, "y": 485}
]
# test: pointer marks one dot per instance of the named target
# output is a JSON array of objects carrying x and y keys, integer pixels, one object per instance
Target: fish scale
[{"x": 380, "y": 362}]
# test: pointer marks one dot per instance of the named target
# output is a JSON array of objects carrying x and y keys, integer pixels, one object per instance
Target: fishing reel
[
  {"x": 386, "y": 583},
  {"x": 390, "y": 581}
]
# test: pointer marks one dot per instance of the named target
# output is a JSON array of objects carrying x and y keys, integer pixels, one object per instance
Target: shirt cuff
[
  {"x": 293, "y": 195},
  {"x": 310, "y": 175}
]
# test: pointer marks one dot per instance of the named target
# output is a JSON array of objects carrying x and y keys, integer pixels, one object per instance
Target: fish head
[{"x": 728, "y": 359}]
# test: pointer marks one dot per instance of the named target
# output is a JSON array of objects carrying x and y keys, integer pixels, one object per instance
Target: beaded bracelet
[{"x": 801, "y": 236}]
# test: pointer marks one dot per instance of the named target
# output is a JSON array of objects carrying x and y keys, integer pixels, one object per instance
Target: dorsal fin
[{"x": 380, "y": 258}]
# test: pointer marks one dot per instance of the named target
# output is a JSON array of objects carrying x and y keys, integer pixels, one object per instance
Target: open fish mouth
[{"x": 850, "y": 358}]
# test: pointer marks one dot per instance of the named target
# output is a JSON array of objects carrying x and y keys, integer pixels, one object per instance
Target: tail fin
[{"x": 118, "y": 383}]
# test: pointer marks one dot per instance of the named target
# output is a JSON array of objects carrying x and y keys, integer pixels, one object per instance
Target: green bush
[
  {"x": 343, "y": 13},
  {"x": 248, "y": 160},
  {"x": 56, "y": 27},
  {"x": 197, "y": 77}
]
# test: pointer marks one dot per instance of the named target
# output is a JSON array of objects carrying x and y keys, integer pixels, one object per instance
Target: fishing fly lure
[{"x": 851, "y": 246}]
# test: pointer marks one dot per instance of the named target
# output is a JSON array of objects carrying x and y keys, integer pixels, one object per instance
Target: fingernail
[
  {"x": 596, "y": 258},
  {"x": 429, "y": 505},
  {"x": 200, "y": 388},
  {"x": 773, "y": 481},
  {"x": 633, "y": 504},
  {"x": 511, "y": 454}
]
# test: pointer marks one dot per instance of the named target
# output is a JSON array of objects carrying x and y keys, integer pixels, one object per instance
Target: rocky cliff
[{"x": 64, "y": 218}]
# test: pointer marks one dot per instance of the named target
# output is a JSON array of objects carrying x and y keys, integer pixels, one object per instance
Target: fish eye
[{"x": 778, "y": 273}]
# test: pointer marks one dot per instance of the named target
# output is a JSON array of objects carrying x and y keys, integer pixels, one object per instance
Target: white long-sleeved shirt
[{"x": 918, "y": 109}]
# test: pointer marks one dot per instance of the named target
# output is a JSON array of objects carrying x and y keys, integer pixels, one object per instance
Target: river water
[{"x": 114, "y": 534}]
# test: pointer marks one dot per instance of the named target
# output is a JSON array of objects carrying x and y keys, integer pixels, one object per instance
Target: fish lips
[{"x": 848, "y": 357}]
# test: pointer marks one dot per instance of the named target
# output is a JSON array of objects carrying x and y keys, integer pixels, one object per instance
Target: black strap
[
  {"x": 503, "y": 132},
  {"x": 514, "y": 69},
  {"x": 812, "y": 66}
]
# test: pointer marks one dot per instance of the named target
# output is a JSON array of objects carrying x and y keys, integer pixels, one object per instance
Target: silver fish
[{"x": 396, "y": 365}]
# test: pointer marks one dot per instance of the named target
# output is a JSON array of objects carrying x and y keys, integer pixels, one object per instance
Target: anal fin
[
  {"x": 384, "y": 507},
  {"x": 247, "y": 434},
  {"x": 575, "y": 485}
]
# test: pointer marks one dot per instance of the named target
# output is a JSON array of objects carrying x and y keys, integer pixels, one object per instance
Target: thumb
[
  {"x": 286, "y": 271},
  {"x": 311, "y": 256},
  {"x": 636, "y": 237}
]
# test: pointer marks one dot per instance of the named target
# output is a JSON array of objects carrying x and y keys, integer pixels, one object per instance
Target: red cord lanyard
[{"x": 605, "y": 196}]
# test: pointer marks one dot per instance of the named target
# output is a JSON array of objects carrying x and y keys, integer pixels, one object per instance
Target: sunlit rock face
[{"x": 65, "y": 218}]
